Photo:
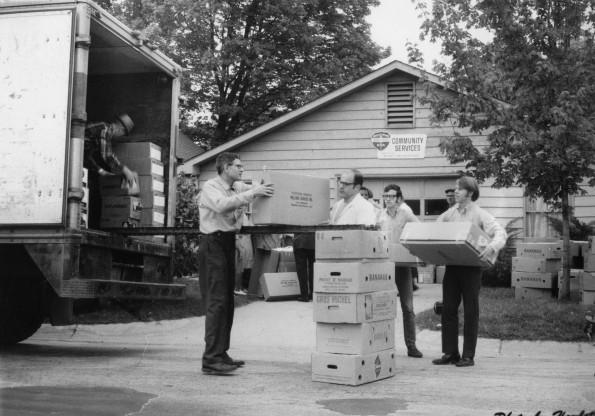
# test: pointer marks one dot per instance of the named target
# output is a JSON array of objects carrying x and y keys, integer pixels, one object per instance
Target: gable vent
[{"x": 399, "y": 111}]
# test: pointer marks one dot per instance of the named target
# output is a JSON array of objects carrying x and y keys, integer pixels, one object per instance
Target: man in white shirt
[{"x": 352, "y": 208}]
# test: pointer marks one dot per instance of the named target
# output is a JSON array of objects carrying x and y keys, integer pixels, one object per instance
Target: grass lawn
[{"x": 503, "y": 317}]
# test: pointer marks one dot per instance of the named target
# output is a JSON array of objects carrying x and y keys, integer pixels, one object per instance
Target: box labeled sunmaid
[
  {"x": 298, "y": 199},
  {"x": 447, "y": 243}
]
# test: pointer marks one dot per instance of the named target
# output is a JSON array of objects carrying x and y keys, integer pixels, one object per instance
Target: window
[
  {"x": 435, "y": 206},
  {"x": 400, "y": 110}
]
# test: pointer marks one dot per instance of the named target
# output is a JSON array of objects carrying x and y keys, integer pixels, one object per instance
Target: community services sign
[{"x": 399, "y": 146}]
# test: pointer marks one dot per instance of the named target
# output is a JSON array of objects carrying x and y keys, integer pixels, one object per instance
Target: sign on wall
[{"x": 399, "y": 146}]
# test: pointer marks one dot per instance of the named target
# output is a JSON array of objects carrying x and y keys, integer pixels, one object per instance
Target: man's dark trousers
[
  {"x": 216, "y": 268},
  {"x": 304, "y": 266},
  {"x": 460, "y": 282}
]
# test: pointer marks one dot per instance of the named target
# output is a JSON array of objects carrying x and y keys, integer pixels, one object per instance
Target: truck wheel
[{"x": 22, "y": 298}]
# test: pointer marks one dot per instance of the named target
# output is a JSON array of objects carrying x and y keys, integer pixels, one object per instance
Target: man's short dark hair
[
  {"x": 358, "y": 178},
  {"x": 369, "y": 191},
  {"x": 470, "y": 185},
  {"x": 394, "y": 187},
  {"x": 449, "y": 190},
  {"x": 224, "y": 159}
]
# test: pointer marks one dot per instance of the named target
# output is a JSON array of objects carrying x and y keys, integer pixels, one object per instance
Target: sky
[{"x": 394, "y": 22}]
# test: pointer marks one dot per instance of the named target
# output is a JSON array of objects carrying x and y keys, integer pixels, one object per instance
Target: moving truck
[{"x": 64, "y": 63}]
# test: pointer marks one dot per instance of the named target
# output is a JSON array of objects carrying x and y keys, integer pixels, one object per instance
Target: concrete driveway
[{"x": 154, "y": 369}]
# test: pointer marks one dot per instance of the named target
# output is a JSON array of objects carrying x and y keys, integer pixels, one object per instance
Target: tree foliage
[
  {"x": 531, "y": 88},
  {"x": 186, "y": 246},
  {"x": 250, "y": 61}
]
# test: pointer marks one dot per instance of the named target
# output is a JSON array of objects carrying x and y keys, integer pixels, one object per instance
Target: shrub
[
  {"x": 579, "y": 231},
  {"x": 499, "y": 274},
  {"x": 185, "y": 262}
]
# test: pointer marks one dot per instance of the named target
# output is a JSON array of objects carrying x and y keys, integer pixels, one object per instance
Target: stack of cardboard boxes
[
  {"x": 535, "y": 269},
  {"x": 355, "y": 306},
  {"x": 587, "y": 275}
]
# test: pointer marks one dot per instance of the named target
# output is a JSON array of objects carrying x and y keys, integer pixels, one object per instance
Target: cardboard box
[
  {"x": 444, "y": 243},
  {"x": 587, "y": 297},
  {"x": 298, "y": 200},
  {"x": 151, "y": 183},
  {"x": 364, "y": 338},
  {"x": 119, "y": 222},
  {"x": 145, "y": 167},
  {"x": 575, "y": 248},
  {"x": 356, "y": 277},
  {"x": 355, "y": 308},
  {"x": 353, "y": 370},
  {"x": 534, "y": 280},
  {"x": 402, "y": 257},
  {"x": 265, "y": 261},
  {"x": 530, "y": 264},
  {"x": 589, "y": 263},
  {"x": 540, "y": 250},
  {"x": 440, "y": 270},
  {"x": 151, "y": 217},
  {"x": 587, "y": 280},
  {"x": 120, "y": 207},
  {"x": 138, "y": 150},
  {"x": 280, "y": 286},
  {"x": 528, "y": 293},
  {"x": 351, "y": 244}
]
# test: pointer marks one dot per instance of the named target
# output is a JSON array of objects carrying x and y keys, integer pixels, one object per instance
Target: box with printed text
[
  {"x": 353, "y": 370},
  {"x": 539, "y": 250},
  {"x": 352, "y": 244},
  {"x": 536, "y": 265},
  {"x": 355, "y": 307},
  {"x": 527, "y": 293},
  {"x": 280, "y": 286},
  {"x": 534, "y": 280},
  {"x": 363, "y": 338},
  {"x": 353, "y": 277}
]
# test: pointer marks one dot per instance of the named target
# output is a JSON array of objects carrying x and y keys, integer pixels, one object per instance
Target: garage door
[{"x": 425, "y": 196}]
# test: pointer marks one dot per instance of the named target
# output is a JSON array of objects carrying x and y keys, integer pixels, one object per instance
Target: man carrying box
[
  {"x": 222, "y": 205},
  {"x": 392, "y": 219},
  {"x": 352, "y": 208},
  {"x": 465, "y": 281}
]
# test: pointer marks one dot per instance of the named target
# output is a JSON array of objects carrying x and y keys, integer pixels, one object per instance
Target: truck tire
[{"x": 23, "y": 306}]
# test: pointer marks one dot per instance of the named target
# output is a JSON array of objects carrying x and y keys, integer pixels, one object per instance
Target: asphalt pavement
[{"x": 155, "y": 369}]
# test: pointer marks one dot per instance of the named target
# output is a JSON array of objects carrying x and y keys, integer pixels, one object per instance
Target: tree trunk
[{"x": 564, "y": 289}]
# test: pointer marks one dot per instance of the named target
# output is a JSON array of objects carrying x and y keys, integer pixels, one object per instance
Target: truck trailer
[{"x": 63, "y": 64}]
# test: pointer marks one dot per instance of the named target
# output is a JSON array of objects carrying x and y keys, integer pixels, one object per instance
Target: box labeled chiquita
[
  {"x": 402, "y": 256},
  {"x": 138, "y": 150},
  {"x": 526, "y": 293},
  {"x": 298, "y": 200},
  {"x": 447, "y": 243},
  {"x": 353, "y": 277},
  {"x": 531, "y": 264},
  {"x": 363, "y": 338},
  {"x": 534, "y": 280},
  {"x": 280, "y": 286},
  {"x": 355, "y": 308},
  {"x": 120, "y": 207},
  {"x": 351, "y": 244},
  {"x": 587, "y": 281},
  {"x": 545, "y": 250},
  {"x": 353, "y": 370}
]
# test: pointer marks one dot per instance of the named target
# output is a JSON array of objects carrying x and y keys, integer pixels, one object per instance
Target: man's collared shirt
[
  {"x": 394, "y": 225},
  {"x": 358, "y": 211},
  {"x": 481, "y": 218},
  {"x": 221, "y": 207}
]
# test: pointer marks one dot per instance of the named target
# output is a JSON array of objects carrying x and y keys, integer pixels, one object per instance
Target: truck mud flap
[{"x": 90, "y": 288}]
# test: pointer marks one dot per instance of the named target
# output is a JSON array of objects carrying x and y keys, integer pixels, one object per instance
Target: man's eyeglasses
[
  {"x": 389, "y": 196},
  {"x": 345, "y": 183}
]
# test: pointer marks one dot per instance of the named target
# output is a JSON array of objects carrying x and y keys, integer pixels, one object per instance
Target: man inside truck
[
  {"x": 99, "y": 155},
  {"x": 221, "y": 206}
]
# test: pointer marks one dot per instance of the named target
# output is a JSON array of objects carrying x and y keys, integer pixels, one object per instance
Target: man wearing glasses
[
  {"x": 352, "y": 208},
  {"x": 221, "y": 206},
  {"x": 393, "y": 219}
]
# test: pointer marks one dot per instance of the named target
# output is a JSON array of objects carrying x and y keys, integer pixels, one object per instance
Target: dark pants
[
  {"x": 216, "y": 259},
  {"x": 405, "y": 287},
  {"x": 304, "y": 266},
  {"x": 460, "y": 282}
]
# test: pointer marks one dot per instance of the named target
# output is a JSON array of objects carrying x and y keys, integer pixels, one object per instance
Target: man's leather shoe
[
  {"x": 220, "y": 369},
  {"x": 465, "y": 362},
  {"x": 447, "y": 359},
  {"x": 231, "y": 361},
  {"x": 414, "y": 352}
]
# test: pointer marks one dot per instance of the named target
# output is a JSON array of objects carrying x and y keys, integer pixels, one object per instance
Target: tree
[
  {"x": 530, "y": 88},
  {"x": 250, "y": 61}
]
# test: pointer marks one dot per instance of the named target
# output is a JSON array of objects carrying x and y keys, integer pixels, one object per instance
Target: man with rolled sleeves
[{"x": 222, "y": 205}]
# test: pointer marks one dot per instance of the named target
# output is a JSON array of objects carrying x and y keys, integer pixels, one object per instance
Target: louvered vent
[{"x": 399, "y": 101}]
